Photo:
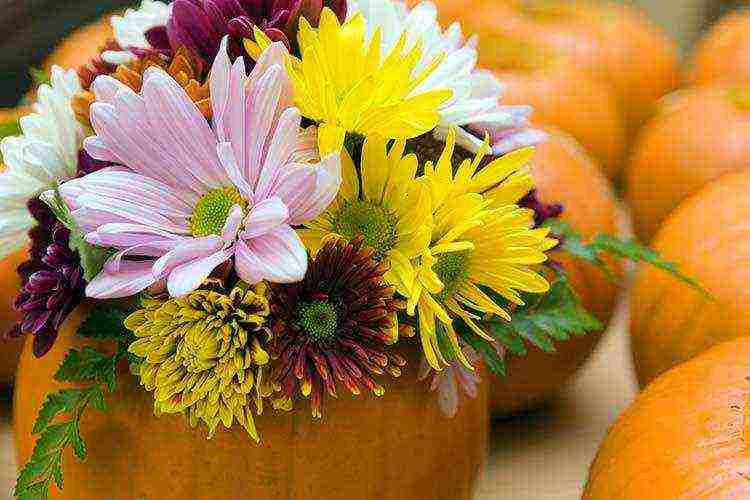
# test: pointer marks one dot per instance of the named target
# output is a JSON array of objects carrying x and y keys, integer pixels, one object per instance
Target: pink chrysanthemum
[{"x": 188, "y": 197}]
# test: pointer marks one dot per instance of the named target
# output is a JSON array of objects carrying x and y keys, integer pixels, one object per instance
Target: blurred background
[{"x": 39, "y": 24}]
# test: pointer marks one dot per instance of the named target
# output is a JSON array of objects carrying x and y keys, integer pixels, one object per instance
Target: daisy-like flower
[
  {"x": 448, "y": 381},
  {"x": 480, "y": 239},
  {"x": 188, "y": 197},
  {"x": 335, "y": 326},
  {"x": 131, "y": 28},
  {"x": 200, "y": 25},
  {"x": 474, "y": 106},
  {"x": 349, "y": 85},
  {"x": 43, "y": 156},
  {"x": 204, "y": 355},
  {"x": 391, "y": 211}
]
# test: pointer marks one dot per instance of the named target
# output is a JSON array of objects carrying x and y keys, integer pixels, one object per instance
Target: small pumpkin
[
  {"x": 564, "y": 173},
  {"x": 617, "y": 44},
  {"x": 709, "y": 237},
  {"x": 10, "y": 349},
  {"x": 723, "y": 54},
  {"x": 700, "y": 134},
  {"x": 390, "y": 448},
  {"x": 685, "y": 436}
]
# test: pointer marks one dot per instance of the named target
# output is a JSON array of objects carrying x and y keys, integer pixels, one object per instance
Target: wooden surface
[{"x": 540, "y": 456}]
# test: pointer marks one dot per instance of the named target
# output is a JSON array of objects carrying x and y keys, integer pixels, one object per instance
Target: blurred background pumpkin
[
  {"x": 724, "y": 52},
  {"x": 700, "y": 134},
  {"x": 709, "y": 237},
  {"x": 564, "y": 173},
  {"x": 685, "y": 436}
]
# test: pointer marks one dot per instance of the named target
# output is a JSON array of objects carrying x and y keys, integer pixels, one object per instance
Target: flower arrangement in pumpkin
[{"x": 280, "y": 194}]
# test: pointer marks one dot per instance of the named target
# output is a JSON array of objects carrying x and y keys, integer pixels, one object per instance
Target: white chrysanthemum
[
  {"x": 475, "y": 103},
  {"x": 45, "y": 154},
  {"x": 130, "y": 28}
]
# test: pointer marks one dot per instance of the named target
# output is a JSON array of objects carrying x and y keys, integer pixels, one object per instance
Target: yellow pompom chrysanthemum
[
  {"x": 348, "y": 86},
  {"x": 480, "y": 238}
]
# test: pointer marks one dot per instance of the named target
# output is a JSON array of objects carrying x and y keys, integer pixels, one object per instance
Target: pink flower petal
[
  {"x": 280, "y": 150},
  {"x": 188, "y": 277},
  {"x": 278, "y": 256},
  {"x": 185, "y": 252},
  {"x": 229, "y": 162},
  {"x": 233, "y": 224},
  {"x": 133, "y": 278},
  {"x": 307, "y": 190},
  {"x": 264, "y": 217},
  {"x": 261, "y": 110}
]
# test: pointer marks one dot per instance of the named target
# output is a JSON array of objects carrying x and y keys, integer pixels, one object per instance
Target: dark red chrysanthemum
[
  {"x": 200, "y": 25},
  {"x": 542, "y": 211},
  {"x": 335, "y": 326},
  {"x": 52, "y": 279},
  {"x": 97, "y": 66}
]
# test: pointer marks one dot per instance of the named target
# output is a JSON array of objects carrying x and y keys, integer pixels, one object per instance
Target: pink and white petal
[
  {"x": 98, "y": 149},
  {"x": 517, "y": 140},
  {"x": 131, "y": 212},
  {"x": 278, "y": 257},
  {"x": 307, "y": 146},
  {"x": 219, "y": 86},
  {"x": 307, "y": 190},
  {"x": 188, "y": 277},
  {"x": 133, "y": 278},
  {"x": 145, "y": 249},
  {"x": 262, "y": 107},
  {"x": 233, "y": 224},
  {"x": 177, "y": 125},
  {"x": 106, "y": 88},
  {"x": 234, "y": 172},
  {"x": 447, "y": 393},
  {"x": 275, "y": 55},
  {"x": 187, "y": 251},
  {"x": 264, "y": 217},
  {"x": 282, "y": 146}
]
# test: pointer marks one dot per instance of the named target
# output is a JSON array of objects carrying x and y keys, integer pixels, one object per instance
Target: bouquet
[{"x": 263, "y": 200}]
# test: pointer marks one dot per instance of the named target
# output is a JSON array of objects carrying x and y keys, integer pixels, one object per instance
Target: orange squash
[
  {"x": 10, "y": 349},
  {"x": 81, "y": 45},
  {"x": 617, "y": 44},
  {"x": 709, "y": 237},
  {"x": 564, "y": 173},
  {"x": 724, "y": 53},
  {"x": 395, "y": 447},
  {"x": 685, "y": 436},
  {"x": 700, "y": 134}
]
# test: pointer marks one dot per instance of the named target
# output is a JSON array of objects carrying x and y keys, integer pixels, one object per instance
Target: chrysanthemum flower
[
  {"x": 130, "y": 30},
  {"x": 192, "y": 197},
  {"x": 474, "y": 106},
  {"x": 44, "y": 155},
  {"x": 335, "y": 326},
  {"x": 480, "y": 239},
  {"x": 200, "y": 25},
  {"x": 391, "y": 210},
  {"x": 204, "y": 354},
  {"x": 349, "y": 85},
  {"x": 452, "y": 378}
]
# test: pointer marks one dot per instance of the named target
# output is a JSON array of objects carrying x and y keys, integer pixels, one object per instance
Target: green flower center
[
  {"x": 373, "y": 222},
  {"x": 318, "y": 319},
  {"x": 453, "y": 269},
  {"x": 212, "y": 210}
]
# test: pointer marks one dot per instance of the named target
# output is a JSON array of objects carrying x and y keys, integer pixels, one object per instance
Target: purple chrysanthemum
[
  {"x": 201, "y": 24},
  {"x": 542, "y": 211}
]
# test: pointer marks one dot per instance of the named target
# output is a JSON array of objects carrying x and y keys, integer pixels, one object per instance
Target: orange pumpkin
[
  {"x": 10, "y": 349},
  {"x": 395, "y": 447},
  {"x": 700, "y": 135},
  {"x": 80, "y": 46},
  {"x": 685, "y": 436},
  {"x": 724, "y": 53},
  {"x": 709, "y": 237},
  {"x": 564, "y": 173},
  {"x": 617, "y": 44}
]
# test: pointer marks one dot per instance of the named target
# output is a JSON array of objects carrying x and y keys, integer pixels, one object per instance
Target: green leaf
[
  {"x": 63, "y": 401},
  {"x": 84, "y": 365},
  {"x": 104, "y": 323},
  {"x": 545, "y": 319},
  {"x": 92, "y": 257},
  {"x": 605, "y": 244}
]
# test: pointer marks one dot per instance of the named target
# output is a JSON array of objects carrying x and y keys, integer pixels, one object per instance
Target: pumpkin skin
[
  {"x": 80, "y": 46},
  {"x": 352, "y": 453},
  {"x": 685, "y": 436},
  {"x": 700, "y": 135},
  {"x": 723, "y": 54},
  {"x": 708, "y": 237},
  {"x": 10, "y": 284},
  {"x": 564, "y": 173},
  {"x": 607, "y": 41}
]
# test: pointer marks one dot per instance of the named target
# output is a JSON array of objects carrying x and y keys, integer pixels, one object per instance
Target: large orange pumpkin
[
  {"x": 700, "y": 135},
  {"x": 564, "y": 173},
  {"x": 395, "y": 447},
  {"x": 724, "y": 53},
  {"x": 615, "y": 43},
  {"x": 10, "y": 349},
  {"x": 709, "y": 237},
  {"x": 81, "y": 45},
  {"x": 685, "y": 436}
]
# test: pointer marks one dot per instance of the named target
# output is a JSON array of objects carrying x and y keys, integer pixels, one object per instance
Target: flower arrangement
[{"x": 264, "y": 199}]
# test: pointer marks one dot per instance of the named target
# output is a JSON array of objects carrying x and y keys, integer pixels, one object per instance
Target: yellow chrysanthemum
[
  {"x": 203, "y": 354},
  {"x": 480, "y": 238},
  {"x": 347, "y": 85},
  {"x": 391, "y": 210}
]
